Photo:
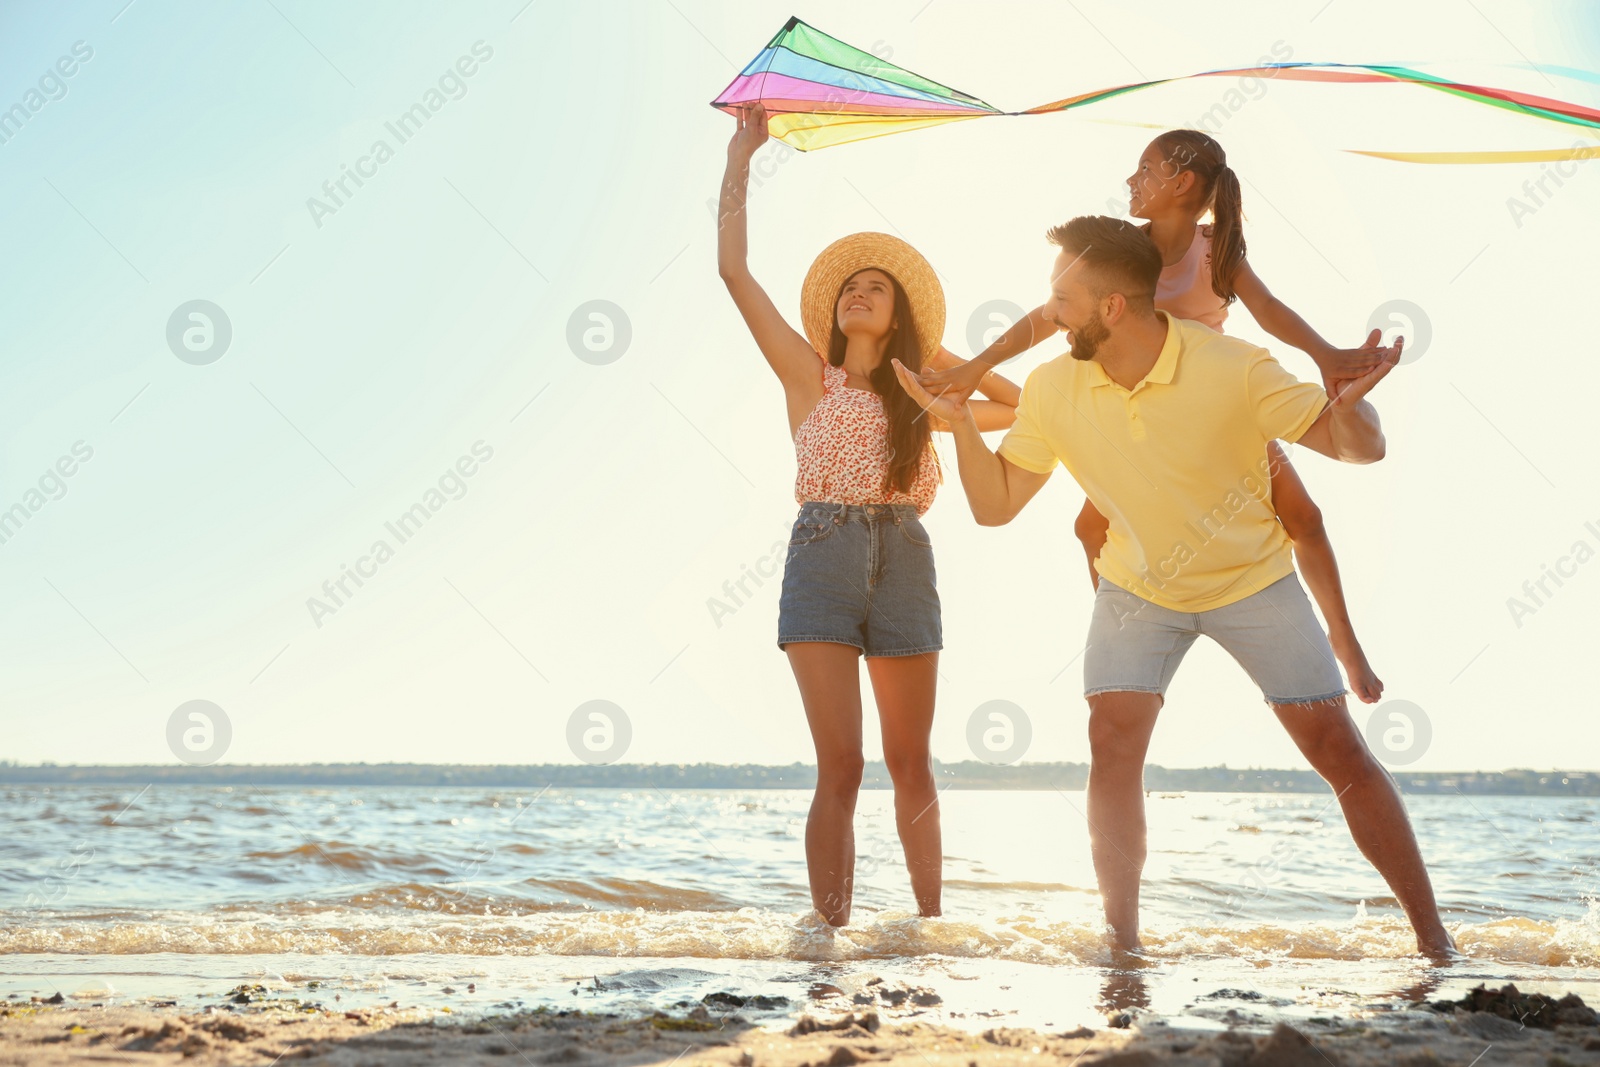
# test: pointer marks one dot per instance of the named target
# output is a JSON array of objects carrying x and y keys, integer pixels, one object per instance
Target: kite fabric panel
[{"x": 820, "y": 91}]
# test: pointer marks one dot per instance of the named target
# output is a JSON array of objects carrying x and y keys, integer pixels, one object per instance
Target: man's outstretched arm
[
  {"x": 1349, "y": 433},
  {"x": 996, "y": 488},
  {"x": 1348, "y": 429}
]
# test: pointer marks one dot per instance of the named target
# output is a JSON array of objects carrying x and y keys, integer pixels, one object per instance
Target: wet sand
[{"x": 721, "y": 1032}]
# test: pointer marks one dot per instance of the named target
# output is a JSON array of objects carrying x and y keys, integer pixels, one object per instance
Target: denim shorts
[
  {"x": 1272, "y": 633},
  {"x": 862, "y": 575}
]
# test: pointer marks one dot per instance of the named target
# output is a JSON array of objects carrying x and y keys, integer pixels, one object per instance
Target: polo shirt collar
[{"x": 1166, "y": 363}]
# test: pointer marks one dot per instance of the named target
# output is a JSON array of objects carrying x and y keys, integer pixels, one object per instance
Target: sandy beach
[{"x": 247, "y": 1027}]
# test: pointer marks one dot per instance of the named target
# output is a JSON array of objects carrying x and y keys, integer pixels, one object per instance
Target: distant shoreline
[{"x": 968, "y": 774}]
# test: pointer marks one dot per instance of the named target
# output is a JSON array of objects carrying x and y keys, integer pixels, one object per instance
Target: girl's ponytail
[{"x": 1227, "y": 235}]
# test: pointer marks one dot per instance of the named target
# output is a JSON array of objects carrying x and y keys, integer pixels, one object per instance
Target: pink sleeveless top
[
  {"x": 1185, "y": 291},
  {"x": 842, "y": 450}
]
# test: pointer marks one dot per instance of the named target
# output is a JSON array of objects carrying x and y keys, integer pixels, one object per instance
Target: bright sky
[{"x": 412, "y": 336}]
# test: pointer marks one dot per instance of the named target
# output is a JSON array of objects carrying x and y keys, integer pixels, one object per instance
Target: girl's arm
[
  {"x": 1023, "y": 335},
  {"x": 790, "y": 355},
  {"x": 1280, "y": 320},
  {"x": 963, "y": 377}
]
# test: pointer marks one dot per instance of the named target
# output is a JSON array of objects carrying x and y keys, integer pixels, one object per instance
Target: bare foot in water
[
  {"x": 1364, "y": 682},
  {"x": 1440, "y": 949}
]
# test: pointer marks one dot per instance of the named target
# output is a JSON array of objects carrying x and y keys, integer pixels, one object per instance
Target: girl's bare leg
[
  {"x": 1302, "y": 521},
  {"x": 1091, "y": 529},
  {"x": 830, "y": 688},
  {"x": 905, "y": 689}
]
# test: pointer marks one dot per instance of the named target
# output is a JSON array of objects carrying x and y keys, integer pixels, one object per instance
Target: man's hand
[
  {"x": 1345, "y": 388},
  {"x": 958, "y": 380},
  {"x": 1339, "y": 365},
  {"x": 949, "y": 406}
]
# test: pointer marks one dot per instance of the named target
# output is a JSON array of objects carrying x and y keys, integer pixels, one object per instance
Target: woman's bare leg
[
  {"x": 905, "y": 689},
  {"x": 830, "y": 688},
  {"x": 1302, "y": 521},
  {"x": 1091, "y": 529}
]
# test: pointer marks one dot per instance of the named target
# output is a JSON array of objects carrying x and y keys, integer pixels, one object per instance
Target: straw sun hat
[{"x": 857, "y": 252}]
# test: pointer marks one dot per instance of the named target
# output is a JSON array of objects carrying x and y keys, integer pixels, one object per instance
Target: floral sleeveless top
[
  {"x": 1184, "y": 290},
  {"x": 842, "y": 450}
]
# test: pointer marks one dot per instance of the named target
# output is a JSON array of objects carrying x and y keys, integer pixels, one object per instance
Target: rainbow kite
[{"x": 819, "y": 92}]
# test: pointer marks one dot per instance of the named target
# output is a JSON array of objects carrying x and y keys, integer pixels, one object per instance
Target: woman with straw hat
[{"x": 859, "y": 576}]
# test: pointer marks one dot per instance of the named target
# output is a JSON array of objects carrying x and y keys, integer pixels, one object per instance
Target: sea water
[{"x": 1255, "y": 906}]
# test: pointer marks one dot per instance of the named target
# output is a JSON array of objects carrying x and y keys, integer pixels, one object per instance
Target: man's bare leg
[
  {"x": 1329, "y": 739},
  {"x": 1120, "y": 724}
]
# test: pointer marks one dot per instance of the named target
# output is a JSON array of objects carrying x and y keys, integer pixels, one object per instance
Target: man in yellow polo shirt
[{"x": 1165, "y": 424}]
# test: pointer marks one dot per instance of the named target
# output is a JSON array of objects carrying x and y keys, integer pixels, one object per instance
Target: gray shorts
[{"x": 1273, "y": 634}]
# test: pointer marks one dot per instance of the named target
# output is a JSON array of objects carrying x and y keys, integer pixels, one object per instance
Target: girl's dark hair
[
  {"x": 909, "y": 429},
  {"x": 1201, "y": 155}
]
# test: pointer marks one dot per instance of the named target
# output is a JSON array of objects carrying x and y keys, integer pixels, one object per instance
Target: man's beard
[{"x": 1086, "y": 339}]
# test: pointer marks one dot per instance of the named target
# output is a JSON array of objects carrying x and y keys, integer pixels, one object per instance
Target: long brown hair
[
  {"x": 909, "y": 430},
  {"x": 1202, "y": 156}
]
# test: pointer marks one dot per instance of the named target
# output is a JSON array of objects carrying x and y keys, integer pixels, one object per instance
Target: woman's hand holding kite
[{"x": 750, "y": 135}]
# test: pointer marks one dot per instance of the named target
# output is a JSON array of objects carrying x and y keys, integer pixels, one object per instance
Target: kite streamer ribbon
[{"x": 820, "y": 91}]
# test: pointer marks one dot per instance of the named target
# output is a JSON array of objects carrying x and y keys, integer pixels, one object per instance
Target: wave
[
  {"x": 352, "y": 857},
  {"x": 530, "y": 895},
  {"x": 757, "y": 934}
]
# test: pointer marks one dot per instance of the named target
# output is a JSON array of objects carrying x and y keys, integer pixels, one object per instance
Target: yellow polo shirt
[{"x": 1178, "y": 463}]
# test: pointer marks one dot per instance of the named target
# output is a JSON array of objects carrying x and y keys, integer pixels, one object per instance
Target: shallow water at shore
[
  {"x": 1204, "y": 993},
  {"x": 619, "y": 900}
]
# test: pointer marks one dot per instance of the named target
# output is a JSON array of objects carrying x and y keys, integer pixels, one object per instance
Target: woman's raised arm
[{"x": 790, "y": 355}]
